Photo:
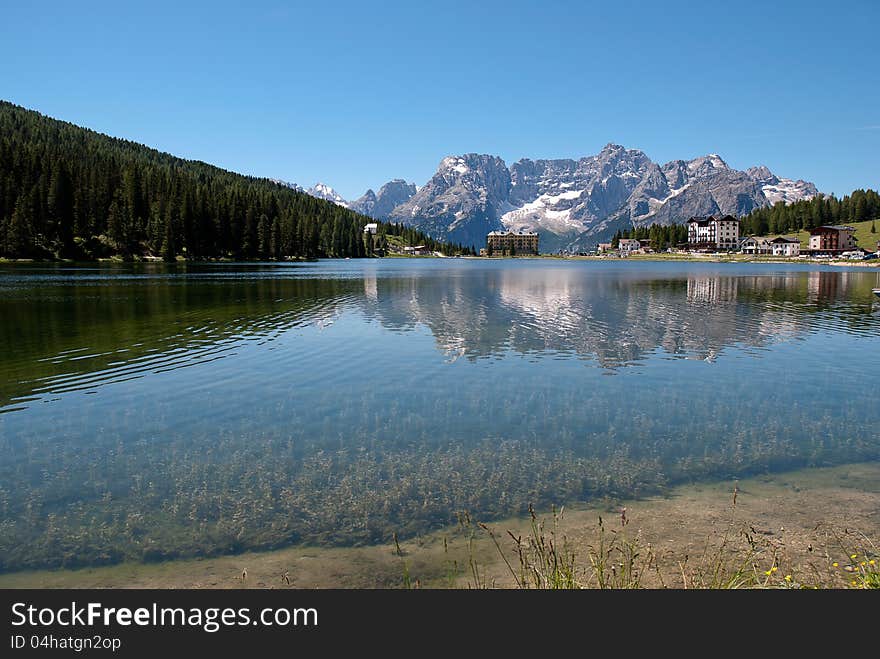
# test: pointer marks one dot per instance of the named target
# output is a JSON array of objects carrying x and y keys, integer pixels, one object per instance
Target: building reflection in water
[{"x": 613, "y": 318}]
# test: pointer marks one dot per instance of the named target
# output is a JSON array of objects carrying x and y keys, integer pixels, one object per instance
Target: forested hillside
[
  {"x": 860, "y": 206},
  {"x": 69, "y": 192}
]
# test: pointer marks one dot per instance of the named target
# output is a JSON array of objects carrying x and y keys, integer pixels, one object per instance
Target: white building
[
  {"x": 627, "y": 246},
  {"x": 715, "y": 233},
  {"x": 786, "y": 246},
  {"x": 372, "y": 227},
  {"x": 755, "y": 245}
]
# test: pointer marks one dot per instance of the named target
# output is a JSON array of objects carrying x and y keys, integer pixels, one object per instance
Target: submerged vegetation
[
  {"x": 226, "y": 497},
  {"x": 792, "y": 530}
]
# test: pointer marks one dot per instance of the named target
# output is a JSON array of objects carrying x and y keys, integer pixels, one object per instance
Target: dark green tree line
[
  {"x": 661, "y": 236},
  {"x": 69, "y": 192}
]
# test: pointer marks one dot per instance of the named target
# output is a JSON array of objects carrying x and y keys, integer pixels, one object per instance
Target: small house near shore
[
  {"x": 755, "y": 245},
  {"x": 627, "y": 246},
  {"x": 786, "y": 246}
]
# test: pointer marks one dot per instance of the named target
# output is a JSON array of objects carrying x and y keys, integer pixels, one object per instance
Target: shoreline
[
  {"x": 797, "y": 518},
  {"x": 684, "y": 258}
]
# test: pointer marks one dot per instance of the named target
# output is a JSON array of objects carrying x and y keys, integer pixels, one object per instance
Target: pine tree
[
  {"x": 117, "y": 224},
  {"x": 169, "y": 244},
  {"x": 264, "y": 236},
  {"x": 336, "y": 247},
  {"x": 132, "y": 195},
  {"x": 60, "y": 203},
  {"x": 860, "y": 210},
  {"x": 275, "y": 244},
  {"x": 19, "y": 234},
  {"x": 155, "y": 229},
  {"x": 250, "y": 239}
]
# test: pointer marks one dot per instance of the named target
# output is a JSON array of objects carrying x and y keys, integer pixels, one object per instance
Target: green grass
[
  {"x": 863, "y": 235},
  {"x": 398, "y": 243},
  {"x": 741, "y": 558},
  {"x": 395, "y": 241}
]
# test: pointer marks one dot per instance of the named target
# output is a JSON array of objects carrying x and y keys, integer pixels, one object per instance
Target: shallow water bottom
[{"x": 803, "y": 520}]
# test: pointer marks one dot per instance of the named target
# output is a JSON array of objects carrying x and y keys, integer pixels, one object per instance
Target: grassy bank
[
  {"x": 799, "y": 529},
  {"x": 864, "y": 237}
]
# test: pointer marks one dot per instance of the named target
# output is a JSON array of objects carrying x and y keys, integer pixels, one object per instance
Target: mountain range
[{"x": 573, "y": 204}]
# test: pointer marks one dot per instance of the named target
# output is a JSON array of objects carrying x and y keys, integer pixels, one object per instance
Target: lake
[{"x": 150, "y": 411}]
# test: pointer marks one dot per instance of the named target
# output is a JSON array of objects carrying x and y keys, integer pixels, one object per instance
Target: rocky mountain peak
[
  {"x": 612, "y": 148},
  {"x": 762, "y": 174},
  {"x": 398, "y": 188},
  {"x": 324, "y": 191},
  {"x": 706, "y": 166}
]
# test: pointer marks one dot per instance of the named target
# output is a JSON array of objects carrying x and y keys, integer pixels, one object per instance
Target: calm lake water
[{"x": 151, "y": 411}]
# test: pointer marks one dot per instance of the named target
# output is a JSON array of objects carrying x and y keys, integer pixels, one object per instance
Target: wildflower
[
  {"x": 854, "y": 556},
  {"x": 872, "y": 562},
  {"x": 768, "y": 572},
  {"x": 835, "y": 564},
  {"x": 774, "y": 568},
  {"x": 788, "y": 578}
]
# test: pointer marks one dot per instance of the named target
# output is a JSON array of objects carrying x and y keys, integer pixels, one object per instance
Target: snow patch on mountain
[
  {"x": 324, "y": 191},
  {"x": 789, "y": 191},
  {"x": 455, "y": 164},
  {"x": 550, "y": 212}
]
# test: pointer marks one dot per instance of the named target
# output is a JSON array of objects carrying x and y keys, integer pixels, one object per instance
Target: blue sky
[{"x": 355, "y": 94}]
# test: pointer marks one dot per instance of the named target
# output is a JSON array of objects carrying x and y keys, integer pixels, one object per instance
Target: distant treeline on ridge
[
  {"x": 69, "y": 192},
  {"x": 860, "y": 206}
]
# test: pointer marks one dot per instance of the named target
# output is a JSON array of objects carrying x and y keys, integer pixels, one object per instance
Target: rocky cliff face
[
  {"x": 391, "y": 195},
  {"x": 462, "y": 202},
  {"x": 563, "y": 198}
]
